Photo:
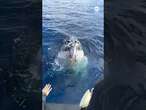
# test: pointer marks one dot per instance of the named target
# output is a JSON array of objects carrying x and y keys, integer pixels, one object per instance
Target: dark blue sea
[{"x": 82, "y": 19}]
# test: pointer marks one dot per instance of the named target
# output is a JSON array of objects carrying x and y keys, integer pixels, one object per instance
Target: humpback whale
[{"x": 71, "y": 55}]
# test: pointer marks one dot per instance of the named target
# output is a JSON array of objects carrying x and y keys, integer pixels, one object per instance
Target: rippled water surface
[{"x": 82, "y": 19}]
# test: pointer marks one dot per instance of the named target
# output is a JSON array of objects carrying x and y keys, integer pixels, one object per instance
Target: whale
[{"x": 72, "y": 56}]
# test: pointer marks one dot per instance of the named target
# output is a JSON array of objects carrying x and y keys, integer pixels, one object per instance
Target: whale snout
[{"x": 72, "y": 52}]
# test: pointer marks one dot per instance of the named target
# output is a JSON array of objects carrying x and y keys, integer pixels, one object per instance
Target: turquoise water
[{"x": 82, "y": 19}]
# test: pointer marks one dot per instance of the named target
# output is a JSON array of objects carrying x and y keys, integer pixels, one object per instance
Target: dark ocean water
[{"x": 82, "y": 19}]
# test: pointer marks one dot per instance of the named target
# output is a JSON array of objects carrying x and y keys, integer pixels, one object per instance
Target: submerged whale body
[{"x": 71, "y": 56}]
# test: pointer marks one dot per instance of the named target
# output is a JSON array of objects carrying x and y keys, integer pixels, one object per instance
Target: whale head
[
  {"x": 71, "y": 54},
  {"x": 73, "y": 49}
]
